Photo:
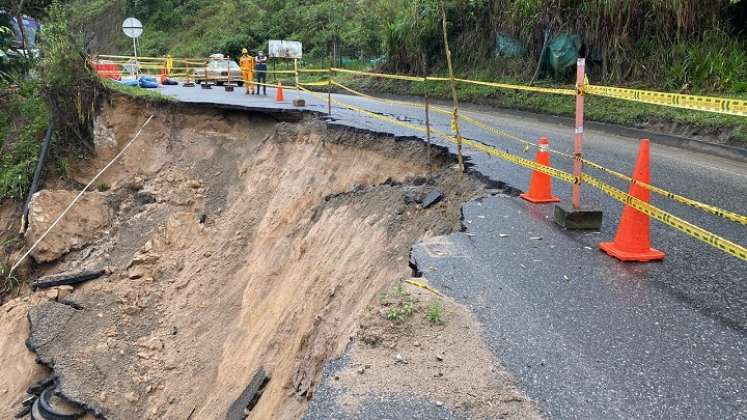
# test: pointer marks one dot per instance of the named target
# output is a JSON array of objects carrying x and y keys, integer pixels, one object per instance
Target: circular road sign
[{"x": 132, "y": 27}]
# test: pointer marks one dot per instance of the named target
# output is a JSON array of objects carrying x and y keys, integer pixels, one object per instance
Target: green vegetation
[
  {"x": 401, "y": 304},
  {"x": 688, "y": 46},
  {"x": 57, "y": 87},
  {"x": 696, "y": 45},
  {"x": 23, "y": 121},
  {"x": 435, "y": 313},
  {"x": 149, "y": 94},
  {"x": 8, "y": 281}
]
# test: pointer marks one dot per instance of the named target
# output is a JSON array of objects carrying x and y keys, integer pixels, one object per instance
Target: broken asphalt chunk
[
  {"x": 66, "y": 279},
  {"x": 249, "y": 397},
  {"x": 432, "y": 198}
]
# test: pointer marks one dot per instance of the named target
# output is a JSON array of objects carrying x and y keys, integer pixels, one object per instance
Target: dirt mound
[
  {"x": 234, "y": 242},
  {"x": 82, "y": 224}
]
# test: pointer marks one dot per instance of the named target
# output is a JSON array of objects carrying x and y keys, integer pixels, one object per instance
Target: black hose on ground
[{"x": 37, "y": 175}]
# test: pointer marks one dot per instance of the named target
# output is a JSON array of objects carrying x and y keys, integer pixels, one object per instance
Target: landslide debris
[{"x": 232, "y": 242}]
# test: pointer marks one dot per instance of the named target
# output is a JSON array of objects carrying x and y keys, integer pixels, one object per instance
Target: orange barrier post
[
  {"x": 279, "y": 97},
  {"x": 163, "y": 75},
  {"x": 633, "y": 242},
  {"x": 540, "y": 186}
]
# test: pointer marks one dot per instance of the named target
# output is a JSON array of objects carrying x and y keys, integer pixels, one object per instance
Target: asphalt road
[{"x": 585, "y": 335}]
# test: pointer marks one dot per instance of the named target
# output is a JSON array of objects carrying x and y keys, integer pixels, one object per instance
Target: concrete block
[
  {"x": 299, "y": 102},
  {"x": 578, "y": 219}
]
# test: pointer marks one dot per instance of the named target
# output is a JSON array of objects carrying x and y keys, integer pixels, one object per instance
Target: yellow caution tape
[
  {"x": 313, "y": 70},
  {"x": 274, "y": 86},
  {"x": 646, "y": 208},
  {"x": 555, "y": 91},
  {"x": 423, "y": 286},
  {"x": 701, "y": 103},
  {"x": 676, "y": 100},
  {"x": 281, "y": 72},
  {"x": 129, "y": 57},
  {"x": 726, "y": 214},
  {"x": 319, "y": 83},
  {"x": 382, "y": 75}
]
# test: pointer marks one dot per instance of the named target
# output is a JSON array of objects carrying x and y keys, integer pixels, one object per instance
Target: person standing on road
[
  {"x": 261, "y": 72},
  {"x": 169, "y": 64},
  {"x": 247, "y": 71}
]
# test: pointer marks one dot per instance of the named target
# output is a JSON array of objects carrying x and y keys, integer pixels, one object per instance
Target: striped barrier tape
[
  {"x": 727, "y": 106},
  {"x": 129, "y": 57},
  {"x": 726, "y": 214},
  {"x": 555, "y": 91},
  {"x": 319, "y": 83},
  {"x": 313, "y": 70},
  {"x": 721, "y": 105},
  {"x": 381, "y": 75},
  {"x": 646, "y": 208},
  {"x": 281, "y": 72},
  {"x": 699, "y": 103},
  {"x": 716, "y": 211},
  {"x": 676, "y": 100},
  {"x": 289, "y": 87}
]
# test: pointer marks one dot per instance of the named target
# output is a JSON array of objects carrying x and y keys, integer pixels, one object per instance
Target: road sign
[
  {"x": 285, "y": 49},
  {"x": 132, "y": 27}
]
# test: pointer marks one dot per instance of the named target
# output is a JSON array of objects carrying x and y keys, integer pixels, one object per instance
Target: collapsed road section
[{"x": 238, "y": 252}]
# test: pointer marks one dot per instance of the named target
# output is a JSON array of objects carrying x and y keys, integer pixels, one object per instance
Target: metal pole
[
  {"x": 579, "y": 139},
  {"x": 427, "y": 121},
  {"x": 329, "y": 95},
  {"x": 295, "y": 69},
  {"x": 452, "y": 82},
  {"x": 137, "y": 64}
]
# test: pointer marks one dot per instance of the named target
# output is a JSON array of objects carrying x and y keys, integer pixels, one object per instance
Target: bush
[
  {"x": 23, "y": 121},
  {"x": 68, "y": 85}
]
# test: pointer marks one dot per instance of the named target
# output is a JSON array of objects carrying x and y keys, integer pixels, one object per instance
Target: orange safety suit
[{"x": 247, "y": 72}]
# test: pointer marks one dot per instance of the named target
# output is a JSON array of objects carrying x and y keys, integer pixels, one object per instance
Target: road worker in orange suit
[{"x": 247, "y": 71}]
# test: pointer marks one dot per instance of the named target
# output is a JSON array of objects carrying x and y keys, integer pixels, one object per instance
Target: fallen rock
[
  {"x": 64, "y": 291},
  {"x": 82, "y": 224},
  {"x": 431, "y": 198},
  {"x": 52, "y": 294}
]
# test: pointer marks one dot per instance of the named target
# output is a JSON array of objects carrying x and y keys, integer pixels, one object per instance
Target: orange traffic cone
[
  {"x": 279, "y": 97},
  {"x": 632, "y": 242},
  {"x": 163, "y": 75},
  {"x": 540, "y": 186}
]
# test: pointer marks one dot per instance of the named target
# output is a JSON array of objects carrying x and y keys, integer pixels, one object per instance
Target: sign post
[
  {"x": 133, "y": 28},
  {"x": 576, "y": 216},
  {"x": 579, "y": 133},
  {"x": 289, "y": 49}
]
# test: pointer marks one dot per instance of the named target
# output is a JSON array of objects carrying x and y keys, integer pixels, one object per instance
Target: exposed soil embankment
[{"x": 232, "y": 242}]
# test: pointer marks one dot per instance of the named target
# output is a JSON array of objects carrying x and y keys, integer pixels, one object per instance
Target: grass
[
  {"x": 435, "y": 313},
  {"x": 8, "y": 281},
  {"x": 23, "y": 121},
  {"x": 403, "y": 305},
  {"x": 136, "y": 92}
]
